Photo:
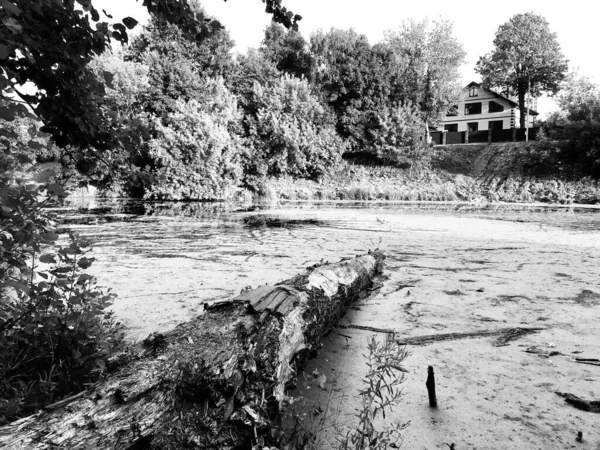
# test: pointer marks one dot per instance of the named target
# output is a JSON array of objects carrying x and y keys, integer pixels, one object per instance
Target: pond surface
[
  {"x": 450, "y": 269},
  {"x": 165, "y": 260}
]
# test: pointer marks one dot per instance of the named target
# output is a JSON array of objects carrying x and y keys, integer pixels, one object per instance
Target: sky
[{"x": 475, "y": 23}]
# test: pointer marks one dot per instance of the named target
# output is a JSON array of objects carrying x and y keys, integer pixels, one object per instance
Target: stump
[{"x": 219, "y": 381}]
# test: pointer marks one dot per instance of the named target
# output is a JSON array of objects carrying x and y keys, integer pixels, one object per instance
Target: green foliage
[
  {"x": 351, "y": 82},
  {"x": 248, "y": 70},
  {"x": 195, "y": 152},
  {"x": 427, "y": 57},
  {"x": 178, "y": 63},
  {"x": 526, "y": 59},
  {"x": 381, "y": 392},
  {"x": 54, "y": 331},
  {"x": 288, "y": 50},
  {"x": 577, "y": 122},
  {"x": 400, "y": 137},
  {"x": 292, "y": 133}
]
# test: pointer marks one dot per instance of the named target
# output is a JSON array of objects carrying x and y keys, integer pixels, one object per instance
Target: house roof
[{"x": 511, "y": 102}]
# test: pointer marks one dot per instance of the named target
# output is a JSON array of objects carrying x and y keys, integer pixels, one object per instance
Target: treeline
[{"x": 212, "y": 121}]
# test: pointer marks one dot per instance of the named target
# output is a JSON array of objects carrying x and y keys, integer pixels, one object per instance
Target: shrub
[
  {"x": 54, "y": 331},
  {"x": 292, "y": 133},
  {"x": 196, "y": 154},
  {"x": 399, "y": 137}
]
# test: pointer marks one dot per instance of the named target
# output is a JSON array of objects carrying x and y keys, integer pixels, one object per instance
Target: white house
[{"x": 482, "y": 109}]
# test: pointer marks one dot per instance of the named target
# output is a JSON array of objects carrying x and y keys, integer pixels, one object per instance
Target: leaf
[
  {"x": 95, "y": 15},
  {"x": 48, "y": 258},
  {"x": 130, "y": 22},
  {"x": 11, "y": 23},
  {"x": 17, "y": 285},
  {"x": 84, "y": 262},
  {"x": 35, "y": 145},
  {"x": 107, "y": 14},
  {"x": 5, "y": 51},
  {"x": 120, "y": 28},
  {"x": 10, "y": 8}
]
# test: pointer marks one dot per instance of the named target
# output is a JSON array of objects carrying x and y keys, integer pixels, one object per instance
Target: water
[{"x": 166, "y": 260}]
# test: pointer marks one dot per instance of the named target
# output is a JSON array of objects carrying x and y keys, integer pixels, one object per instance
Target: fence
[{"x": 469, "y": 137}]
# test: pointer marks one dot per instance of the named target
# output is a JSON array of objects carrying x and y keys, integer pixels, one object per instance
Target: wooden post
[
  {"x": 489, "y": 135},
  {"x": 466, "y": 136},
  {"x": 444, "y": 134},
  {"x": 430, "y": 383}
]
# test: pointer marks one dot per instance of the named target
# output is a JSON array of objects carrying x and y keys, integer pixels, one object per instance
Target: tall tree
[
  {"x": 288, "y": 50},
  {"x": 526, "y": 59},
  {"x": 354, "y": 80},
  {"x": 178, "y": 64},
  {"x": 578, "y": 123},
  {"x": 50, "y": 42},
  {"x": 427, "y": 58}
]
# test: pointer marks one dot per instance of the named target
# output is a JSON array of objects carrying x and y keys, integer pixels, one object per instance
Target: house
[{"x": 481, "y": 110}]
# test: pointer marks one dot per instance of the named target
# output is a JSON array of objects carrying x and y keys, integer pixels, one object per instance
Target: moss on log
[{"x": 219, "y": 381}]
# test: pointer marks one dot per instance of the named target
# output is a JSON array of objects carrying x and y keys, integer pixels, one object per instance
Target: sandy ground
[
  {"x": 518, "y": 275},
  {"x": 465, "y": 274}
]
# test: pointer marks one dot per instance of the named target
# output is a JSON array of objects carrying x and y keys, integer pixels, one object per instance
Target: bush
[
  {"x": 196, "y": 153},
  {"x": 399, "y": 137},
  {"x": 54, "y": 332},
  {"x": 292, "y": 133}
]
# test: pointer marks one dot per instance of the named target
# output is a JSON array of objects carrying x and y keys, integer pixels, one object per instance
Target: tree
[
  {"x": 354, "y": 80},
  {"x": 578, "y": 122},
  {"x": 195, "y": 154},
  {"x": 178, "y": 64},
  {"x": 50, "y": 43},
  {"x": 427, "y": 57},
  {"x": 292, "y": 133},
  {"x": 526, "y": 59},
  {"x": 288, "y": 50}
]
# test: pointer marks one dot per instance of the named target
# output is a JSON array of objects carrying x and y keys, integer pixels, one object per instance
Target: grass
[{"x": 385, "y": 183}]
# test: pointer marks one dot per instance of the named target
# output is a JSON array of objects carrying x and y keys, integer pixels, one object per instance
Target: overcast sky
[{"x": 475, "y": 23}]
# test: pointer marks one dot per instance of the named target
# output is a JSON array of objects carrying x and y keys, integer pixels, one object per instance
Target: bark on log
[{"x": 219, "y": 381}]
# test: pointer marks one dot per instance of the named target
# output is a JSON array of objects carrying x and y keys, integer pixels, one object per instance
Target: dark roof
[{"x": 511, "y": 102}]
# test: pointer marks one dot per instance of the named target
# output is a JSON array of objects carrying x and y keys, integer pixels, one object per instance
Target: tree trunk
[
  {"x": 219, "y": 381},
  {"x": 522, "y": 107}
]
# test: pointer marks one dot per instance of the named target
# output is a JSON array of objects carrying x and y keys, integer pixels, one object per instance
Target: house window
[
  {"x": 472, "y": 108},
  {"x": 451, "y": 127},
  {"x": 496, "y": 107},
  {"x": 496, "y": 125},
  {"x": 473, "y": 126},
  {"x": 473, "y": 91}
]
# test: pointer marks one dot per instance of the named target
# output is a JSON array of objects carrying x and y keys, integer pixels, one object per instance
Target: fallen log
[{"x": 219, "y": 381}]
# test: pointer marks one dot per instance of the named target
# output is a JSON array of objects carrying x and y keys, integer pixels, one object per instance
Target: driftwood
[
  {"x": 504, "y": 335},
  {"x": 579, "y": 403},
  {"x": 219, "y": 381}
]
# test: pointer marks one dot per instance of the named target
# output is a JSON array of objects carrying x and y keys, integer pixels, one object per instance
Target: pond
[
  {"x": 451, "y": 270},
  {"x": 165, "y": 260}
]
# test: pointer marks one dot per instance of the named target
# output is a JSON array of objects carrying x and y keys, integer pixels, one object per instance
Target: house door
[
  {"x": 452, "y": 127},
  {"x": 495, "y": 125}
]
